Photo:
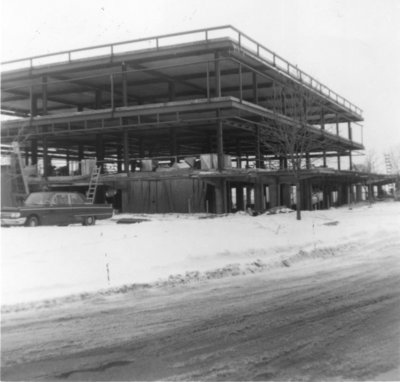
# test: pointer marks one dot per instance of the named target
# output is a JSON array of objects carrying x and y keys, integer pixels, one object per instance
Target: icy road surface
[{"x": 292, "y": 301}]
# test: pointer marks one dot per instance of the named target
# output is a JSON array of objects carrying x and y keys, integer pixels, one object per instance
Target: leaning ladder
[
  {"x": 94, "y": 180},
  {"x": 20, "y": 185}
]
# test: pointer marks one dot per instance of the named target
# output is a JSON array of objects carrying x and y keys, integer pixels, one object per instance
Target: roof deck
[{"x": 122, "y": 51}]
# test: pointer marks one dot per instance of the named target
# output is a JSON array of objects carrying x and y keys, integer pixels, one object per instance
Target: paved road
[{"x": 329, "y": 317}]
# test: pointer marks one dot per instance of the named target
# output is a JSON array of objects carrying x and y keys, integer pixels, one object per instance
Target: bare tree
[
  {"x": 370, "y": 163},
  {"x": 290, "y": 135}
]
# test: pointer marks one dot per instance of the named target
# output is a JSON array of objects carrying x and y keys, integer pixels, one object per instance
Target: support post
[
  {"x": 124, "y": 85},
  {"x": 258, "y": 148},
  {"x": 33, "y": 102},
  {"x": 323, "y": 129},
  {"x": 350, "y": 131},
  {"x": 218, "y": 91},
  {"x": 308, "y": 161},
  {"x": 220, "y": 143},
  {"x": 337, "y": 125},
  {"x": 220, "y": 196},
  {"x": 239, "y": 198},
  {"x": 119, "y": 157},
  {"x": 80, "y": 156},
  {"x": 34, "y": 152},
  {"x": 240, "y": 83},
  {"x": 100, "y": 151},
  {"x": 68, "y": 160},
  {"x": 238, "y": 154},
  {"x": 255, "y": 88},
  {"x": 112, "y": 91},
  {"x": 173, "y": 141},
  {"x": 46, "y": 161},
  {"x": 44, "y": 95},
  {"x": 259, "y": 200},
  {"x": 125, "y": 144}
]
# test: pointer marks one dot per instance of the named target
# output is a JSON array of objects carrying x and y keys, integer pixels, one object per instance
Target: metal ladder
[
  {"x": 388, "y": 164},
  {"x": 20, "y": 187},
  {"x": 94, "y": 180}
]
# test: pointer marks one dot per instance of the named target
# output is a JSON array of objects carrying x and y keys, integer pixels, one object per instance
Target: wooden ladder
[
  {"x": 20, "y": 187},
  {"x": 94, "y": 180}
]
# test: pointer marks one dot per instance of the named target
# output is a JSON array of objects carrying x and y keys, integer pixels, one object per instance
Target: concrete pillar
[
  {"x": 358, "y": 193},
  {"x": 273, "y": 195},
  {"x": 259, "y": 199},
  {"x": 285, "y": 195},
  {"x": 239, "y": 198},
  {"x": 306, "y": 195},
  {"x": 370, "y": 193},
  {"x": 220, "y": 196},
  {"x": 327, "y": 201},
  {"x": 380, "y": 191}
]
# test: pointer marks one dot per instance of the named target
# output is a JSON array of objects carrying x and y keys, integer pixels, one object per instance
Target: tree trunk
[{"x": 298, "y": 201}]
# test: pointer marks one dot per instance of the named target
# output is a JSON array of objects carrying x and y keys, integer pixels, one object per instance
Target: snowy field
[
  {"x": 191, "y": 297},
  {"x": 51, "y": 262}
]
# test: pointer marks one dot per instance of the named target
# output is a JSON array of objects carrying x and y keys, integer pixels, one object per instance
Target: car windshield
[
  {"x": 38, "y": 198},
  {"x": 77, "y": 199}
]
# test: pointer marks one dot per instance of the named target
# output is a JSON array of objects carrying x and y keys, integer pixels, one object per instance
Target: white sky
[{"x": 352, "y": 46}]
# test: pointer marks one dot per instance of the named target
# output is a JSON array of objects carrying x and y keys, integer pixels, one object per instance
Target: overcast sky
[{"x": 352, "y": 46}]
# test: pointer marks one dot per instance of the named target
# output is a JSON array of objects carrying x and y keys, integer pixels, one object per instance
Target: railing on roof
[{"x": 156, "y": 42}]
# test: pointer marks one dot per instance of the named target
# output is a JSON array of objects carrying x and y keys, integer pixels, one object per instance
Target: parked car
[{"x": 55, "y": 208}]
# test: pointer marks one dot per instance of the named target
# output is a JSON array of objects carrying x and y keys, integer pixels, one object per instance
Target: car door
[
  {"x": 78, "y": 207},
  {"x": 60, "y": 209}
]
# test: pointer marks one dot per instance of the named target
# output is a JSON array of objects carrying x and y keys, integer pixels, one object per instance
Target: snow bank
[{"x": 51, "y": 262}]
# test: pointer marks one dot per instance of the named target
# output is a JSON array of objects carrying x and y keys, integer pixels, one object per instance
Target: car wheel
[
  {"x": 32, "y": 221},
  {"x": 89, "y": 220}
]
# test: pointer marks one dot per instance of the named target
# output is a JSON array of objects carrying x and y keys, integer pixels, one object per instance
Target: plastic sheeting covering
[{"x": 164, "y": 196}]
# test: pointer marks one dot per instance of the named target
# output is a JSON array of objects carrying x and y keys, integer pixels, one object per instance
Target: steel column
[
  {"x": 44, "y": 95},
  {"x": 220, "y": 144},
  {"x": 124, "y": 85},
  {"x": 218, "y": 91},
  {"x": 126, "y": 150}
]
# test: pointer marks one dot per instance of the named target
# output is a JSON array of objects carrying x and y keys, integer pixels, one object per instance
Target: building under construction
[{"x": 183, "y": 122}]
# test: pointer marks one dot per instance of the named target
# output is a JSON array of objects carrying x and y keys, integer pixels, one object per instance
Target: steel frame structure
[{"x": 176, "y": 95}]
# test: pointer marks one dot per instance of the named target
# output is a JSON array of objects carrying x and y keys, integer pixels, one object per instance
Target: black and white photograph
[{"x": 200, "y": 190}]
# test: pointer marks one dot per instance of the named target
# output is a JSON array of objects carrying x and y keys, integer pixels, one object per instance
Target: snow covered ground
[
  {"x": 51, "y": 262},
  {"x": 233, "y": 297}
]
